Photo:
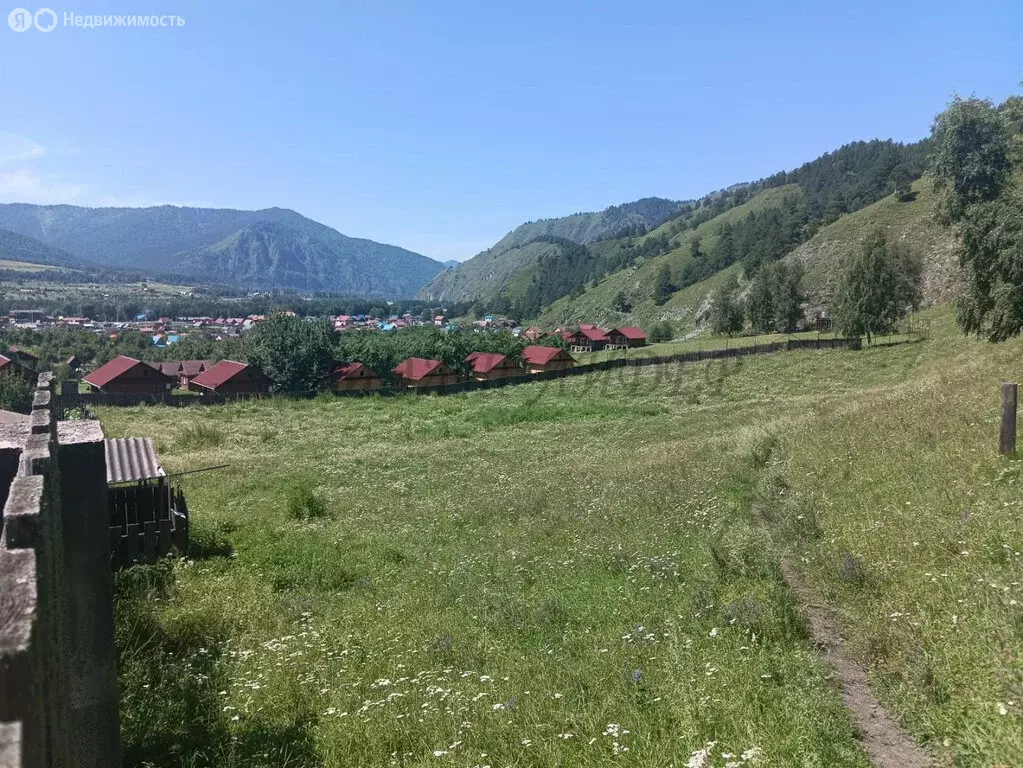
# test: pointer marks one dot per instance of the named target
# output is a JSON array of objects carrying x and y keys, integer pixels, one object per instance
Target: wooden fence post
[{"x": 1007, "y": 432}]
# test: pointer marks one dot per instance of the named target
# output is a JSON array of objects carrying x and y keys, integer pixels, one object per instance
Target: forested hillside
[
  {"x": 634, "y": 274},
  {"x": 266, "y": 249},
  {"x": 487, "y": 275}
]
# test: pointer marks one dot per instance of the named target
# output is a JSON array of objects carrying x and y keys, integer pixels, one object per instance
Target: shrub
[
  {"x": 304, "y": 504},
  {"x": 199, "y": 435}
]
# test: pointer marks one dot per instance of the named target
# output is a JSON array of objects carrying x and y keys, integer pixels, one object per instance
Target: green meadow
[{"x": 585, "y": 572}]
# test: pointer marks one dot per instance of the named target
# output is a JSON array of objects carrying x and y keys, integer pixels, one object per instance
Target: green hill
[
  {"x": 596, "y": 304},
  {"x": 19, "y": 248},
  {"x": 823, "y": 257},
  {"x": 489, "y": 273},
  {"x": 911, "y": 223}
]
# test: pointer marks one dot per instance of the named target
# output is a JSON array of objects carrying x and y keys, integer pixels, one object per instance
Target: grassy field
[
  {"x": 703, "y": 344},
  {"x": 575, "y": 572}
]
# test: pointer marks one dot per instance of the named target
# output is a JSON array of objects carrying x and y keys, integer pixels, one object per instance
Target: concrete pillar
[{"x": 95, "y": 725}]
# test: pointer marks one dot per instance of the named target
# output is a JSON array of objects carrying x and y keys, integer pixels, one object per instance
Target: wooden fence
[{"x": 147, "y": 520}]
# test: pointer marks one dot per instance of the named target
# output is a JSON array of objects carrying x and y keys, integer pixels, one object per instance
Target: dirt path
[{"x": 884, "y": 740}]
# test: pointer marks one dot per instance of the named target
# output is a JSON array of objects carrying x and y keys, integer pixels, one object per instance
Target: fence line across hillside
[{"x": 69, "y": 402}]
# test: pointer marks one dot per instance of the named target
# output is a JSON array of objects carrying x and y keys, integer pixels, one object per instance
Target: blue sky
[{"x": 440, "y": 126}]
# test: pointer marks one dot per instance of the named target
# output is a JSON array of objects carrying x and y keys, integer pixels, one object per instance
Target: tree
[
  {"x": 295, "y": 354},
  {"x": 971, "y": 158},
  {"x": 621, "y": 302},
  {"x": 15, "y": 393},
  {"x": 662, "y": 331},
  {"x": 901, "y": 182},
  {"x": 663, "y": 286},
  {"x": 788, "y": 295},
  {"x": 726, "y": 313},
  {"x": 760, "y": 301},
  {"x": 880, "y": 286},
  {"x": 974, "y": 150}
]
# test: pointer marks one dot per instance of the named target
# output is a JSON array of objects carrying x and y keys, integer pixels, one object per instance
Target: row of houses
[
  {"x": 131, "y": 376},
  {"x": 590, "y": 338},
  {"x": 127, "y": 375}
]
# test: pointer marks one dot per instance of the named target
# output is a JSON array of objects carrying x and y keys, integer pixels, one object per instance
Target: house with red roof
[
  {"x": 491, "y": 366},
  {"x": 347, "y": 376},
  {"x": 230, "y": 377},
  {"x": 128, "y": 375},
  {"x": 22, "y": 356},
  {"x": 184, "y": 370},
  {"x": 589, "y": 338},
  {"x": 542, "y": 359},
  {"x": 420, "y": 372},
  {"x": 623, "y": 338},
  {"x": 9, "y": 365}
]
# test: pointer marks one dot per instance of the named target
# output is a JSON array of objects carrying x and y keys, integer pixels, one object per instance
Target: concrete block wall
[{"x": 58, "y": 676}]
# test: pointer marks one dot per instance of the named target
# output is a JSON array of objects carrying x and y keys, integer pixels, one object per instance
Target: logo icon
[
  {"x": 20, "y": 19},
  {"x": 45, "y": 19}
]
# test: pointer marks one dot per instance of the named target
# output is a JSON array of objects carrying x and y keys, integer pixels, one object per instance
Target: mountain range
[{"x": 265, "y": 249}]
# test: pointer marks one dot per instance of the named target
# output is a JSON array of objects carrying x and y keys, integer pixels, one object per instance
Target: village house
[
  {"x": 23, "y": 357},
  {"x": 532, "y": 333},
  {"x": 184, "y": 370},
  {"x": 589, "y": 338},
  {"x": 491, "y": 366},
  {"x": 353, "y": 376},
  {"x": 128, "y": 375},
  {"x": 233, "y": 378},
  {"x": 419, "y": 372},
  {"x": 543, "y": 359},
  {"x": 623, "y": 338},
  {"x": 8, "y": 366}
]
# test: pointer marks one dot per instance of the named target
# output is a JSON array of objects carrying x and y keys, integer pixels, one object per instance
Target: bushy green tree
[
  {"x": 973, "y": 162},
  {"x": 775, "y": 299},
  {"x": 788, "y": 295},
  {"x": 881, "y": 285},
  {"x": 726, "y": 314},
  {"x": 760, "y": 301},
  {"x": 661, "y": 332},
  {"x": 663, "y": 286},
  {"x": 295, "y": 354},
  {"x": 15, "y": 393},
  {"x": 621, "y": 302}
]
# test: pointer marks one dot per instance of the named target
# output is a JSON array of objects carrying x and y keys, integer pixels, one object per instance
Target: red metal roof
[
  {"x": 593, "y": 333},
  {"x": 630, "y": 333},
  {"x": 4, "y": 361},
  {"x": 119, "y": 366},
  {"x": 220, "y": 373},
  {"x": 484, "y": 362},
  {"x": 344, "y": 370},
  {"x": 415, "y": 368},
  {"x": 192, "y": 368},
  {"x": 540, "y": 355}
]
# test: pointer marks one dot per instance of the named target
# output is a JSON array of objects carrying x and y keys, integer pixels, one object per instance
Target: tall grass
[{"x": 574, "y": 574}]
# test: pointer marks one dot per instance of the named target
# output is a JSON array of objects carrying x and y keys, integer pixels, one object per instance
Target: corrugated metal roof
[
  {"x": 130, "y": 459},
  {"x": 219, "y": 374},
  {"x": 415, "y": 368},
  {"x": 116, "y": 367},
  {"x": 537, "y": 355}
]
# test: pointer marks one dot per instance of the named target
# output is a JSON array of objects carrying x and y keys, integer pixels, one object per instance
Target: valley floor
[{"x": 578, "y": 572}]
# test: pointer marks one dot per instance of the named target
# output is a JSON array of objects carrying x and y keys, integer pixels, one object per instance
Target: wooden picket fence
[{"x": 147, "y": 521}]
